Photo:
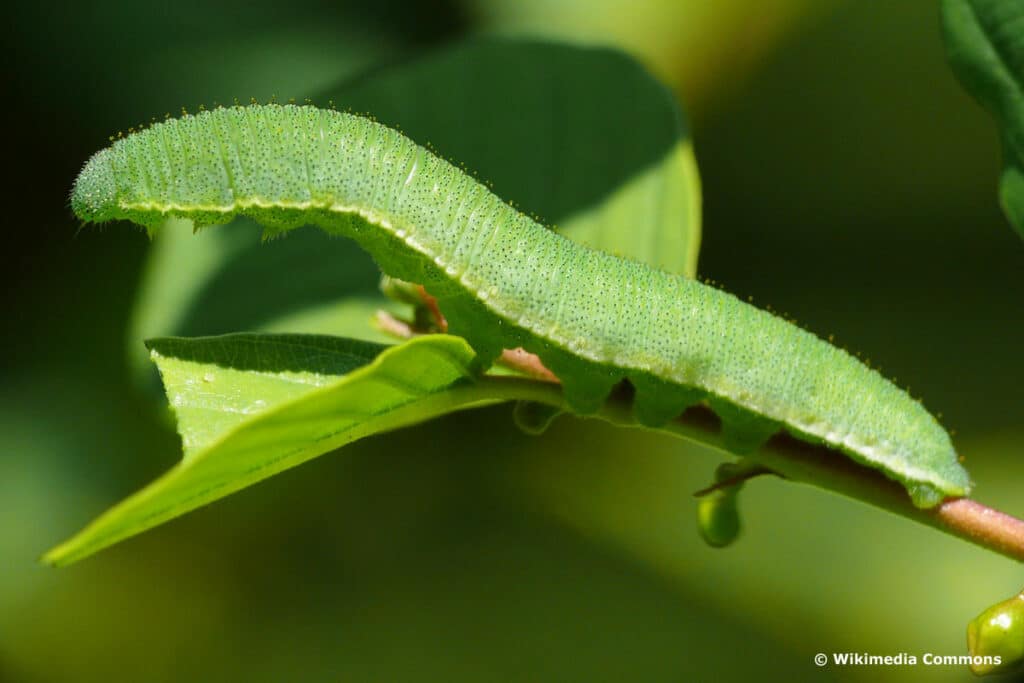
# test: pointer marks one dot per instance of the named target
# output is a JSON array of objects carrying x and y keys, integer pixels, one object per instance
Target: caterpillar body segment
[{"x": 504, "y": 281}]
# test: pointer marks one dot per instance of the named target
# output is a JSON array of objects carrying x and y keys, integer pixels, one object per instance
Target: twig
[
  {"x": 810, "y": 464},
  {"x": 528, "y": 364},
  {"x": 783, "y": 454},
  {"x": 435, "y": 312},
  {"x": 520, "y": 360}
]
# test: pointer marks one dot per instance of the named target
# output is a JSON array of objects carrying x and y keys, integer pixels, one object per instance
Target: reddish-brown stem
[
  {"x": 389, "y": 324},
  {"x": 786, "y": 456},
  {"x": 435, "y": 312},
  {"x": 819, "y": 466},
  {"x": 810, "y": 464},
  {"x": 516, "y": 359},
  {"x": 983, "y": 526},
  {"x": 528, "y": 364}
]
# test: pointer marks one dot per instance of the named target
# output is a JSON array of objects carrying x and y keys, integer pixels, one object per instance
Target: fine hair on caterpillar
[{"x": 503, "y": 281}]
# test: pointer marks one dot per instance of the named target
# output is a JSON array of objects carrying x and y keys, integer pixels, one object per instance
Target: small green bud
[
  {"x": 400, "y": 290},
  {"x": 995, "y": 639},
  {"x": 718, "y": 517}
]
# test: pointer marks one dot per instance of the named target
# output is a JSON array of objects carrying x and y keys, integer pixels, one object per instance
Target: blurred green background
[{"x": 847, "y": 181}]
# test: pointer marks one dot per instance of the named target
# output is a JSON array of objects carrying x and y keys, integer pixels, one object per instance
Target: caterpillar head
[{"x": 94, "y": 196}]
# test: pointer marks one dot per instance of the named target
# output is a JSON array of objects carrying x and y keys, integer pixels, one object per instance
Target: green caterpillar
[{"x": 504, "y": 281}]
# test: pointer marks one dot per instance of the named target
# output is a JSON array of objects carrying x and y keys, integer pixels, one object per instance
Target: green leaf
[
  {"x": 227, "y": 279},
  {"x": 584, "y": 138},
  {"x": 985, "y": 43},
  {"x": 250, "y": 406}
]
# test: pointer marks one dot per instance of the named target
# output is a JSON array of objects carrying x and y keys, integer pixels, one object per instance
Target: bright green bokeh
[{"x": 848, "y": 181}]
